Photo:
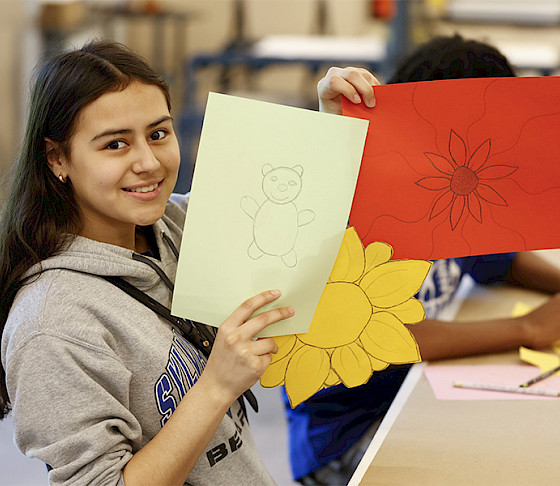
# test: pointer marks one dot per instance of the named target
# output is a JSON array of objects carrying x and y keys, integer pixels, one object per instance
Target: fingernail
[
  {"x": 291, "y": 310},
  {"x": 370, "y": 103},
  {"x": 275, "y": 292},
  {"x": 357, "y": 99}
]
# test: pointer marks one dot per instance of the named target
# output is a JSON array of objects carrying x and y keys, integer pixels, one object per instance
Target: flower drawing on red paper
[{"x": 463, "y": 184}]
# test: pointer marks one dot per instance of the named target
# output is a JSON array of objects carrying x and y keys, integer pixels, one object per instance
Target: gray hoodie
[{"x": 93, "y": 374}]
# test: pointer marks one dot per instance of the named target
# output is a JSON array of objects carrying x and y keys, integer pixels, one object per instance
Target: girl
[{"x": 105, "y": 389}]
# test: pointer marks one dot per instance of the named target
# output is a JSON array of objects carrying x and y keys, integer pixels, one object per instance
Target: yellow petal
[
  {"x": 377, "y": 364},
  {"x": 275, "y": 374},
  {"x": 409, "y": 312},
  {"x": 377, "y": 253},
  {"x": 332, "y": 379},
  {"x": 394, "y": 282},
  {"x": 352, "y": 364},
  {"x": 306, "y": 374},
  {"x": 285, "y": 345},
  {"x": 387, "y": 339},
  {"x": 349, "y": 264}
]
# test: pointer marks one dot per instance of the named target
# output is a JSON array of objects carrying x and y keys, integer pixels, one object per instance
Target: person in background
[
  {"x": 328, "y": 434},
  {"x": 105, "y": 386}
]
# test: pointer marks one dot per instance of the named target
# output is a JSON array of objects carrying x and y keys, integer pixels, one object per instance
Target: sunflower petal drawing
[
  {"x": 474, "y": 206},
  {"x": 441, "y": 163},
  {"x": 490, "y": 195},
  {"x": 494, "y": 172},
  {"x": 457, "y": 209},
  {"x": 359, "y": 325},
  {"x": 434, "y": 183},
  {"x": 480, "y": 155},
  {"x": 457, "y": 149}
]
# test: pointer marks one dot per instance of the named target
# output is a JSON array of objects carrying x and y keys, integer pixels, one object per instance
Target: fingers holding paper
[
  {"x": 356, "y": 84},
  {"x": 238, "y": 360}
]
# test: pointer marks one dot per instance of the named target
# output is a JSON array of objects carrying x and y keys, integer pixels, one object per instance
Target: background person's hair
[
  {"x": 40, "y": 215},
  {"x": 452, "y": 57}
]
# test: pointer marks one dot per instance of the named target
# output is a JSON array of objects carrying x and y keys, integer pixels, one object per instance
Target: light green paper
[{"x": 244, "y": 145}]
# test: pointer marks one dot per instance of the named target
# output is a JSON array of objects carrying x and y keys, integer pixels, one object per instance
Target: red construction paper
[{"x": 460, "y": 167}]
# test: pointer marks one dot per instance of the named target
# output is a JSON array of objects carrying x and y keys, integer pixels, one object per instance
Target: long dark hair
[{"x": 40, "y": 214}]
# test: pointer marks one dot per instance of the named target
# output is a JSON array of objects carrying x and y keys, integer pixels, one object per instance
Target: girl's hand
[
  {"x": 237, "y": 361},
  {"x": 353, "y": 83}
]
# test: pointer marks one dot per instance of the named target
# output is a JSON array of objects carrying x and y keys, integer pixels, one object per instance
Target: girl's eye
[
  {"x": 115, "y": 145},
  {"x": 158, "y": 134}
]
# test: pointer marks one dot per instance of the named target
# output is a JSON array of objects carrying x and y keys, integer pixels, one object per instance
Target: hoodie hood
[{"x": 90, "y": 256}]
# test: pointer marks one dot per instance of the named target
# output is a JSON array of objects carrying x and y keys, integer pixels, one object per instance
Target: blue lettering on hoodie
[
  {"x": 183, "y": 369},
  {"x": 165, "y": 401}
]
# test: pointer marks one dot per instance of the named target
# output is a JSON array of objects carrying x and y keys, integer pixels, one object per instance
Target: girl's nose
[{"x": 144, "y": 158}]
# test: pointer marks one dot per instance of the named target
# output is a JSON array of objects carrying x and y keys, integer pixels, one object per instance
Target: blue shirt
[{"x": 326, "y": 425}]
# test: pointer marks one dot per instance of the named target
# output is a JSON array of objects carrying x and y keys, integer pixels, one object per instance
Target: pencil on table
[
  {"x": 509, "y": 389},
  {"x": 540, "y": 377}
]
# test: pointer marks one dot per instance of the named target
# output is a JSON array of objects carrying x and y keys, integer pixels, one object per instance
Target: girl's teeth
[{"x": 145, "y": 188}]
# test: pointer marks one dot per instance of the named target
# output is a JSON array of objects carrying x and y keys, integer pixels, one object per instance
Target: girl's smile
[{"x": 145, "y": 192}]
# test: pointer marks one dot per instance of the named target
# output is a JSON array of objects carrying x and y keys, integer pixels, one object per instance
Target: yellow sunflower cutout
[{"x": 358, "y": 327}]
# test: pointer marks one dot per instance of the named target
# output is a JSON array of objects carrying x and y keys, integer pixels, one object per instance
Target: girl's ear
[{"x": 55, "y": 158}]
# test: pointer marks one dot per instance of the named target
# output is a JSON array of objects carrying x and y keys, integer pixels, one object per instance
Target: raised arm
[
  {"x": 531, "y": 271},
  {"x": 353, "y": 83}
]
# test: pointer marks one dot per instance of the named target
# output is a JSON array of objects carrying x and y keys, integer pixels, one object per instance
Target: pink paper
[{"x": 441, "y": 378}]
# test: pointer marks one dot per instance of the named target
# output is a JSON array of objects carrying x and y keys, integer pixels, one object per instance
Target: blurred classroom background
[{"x": 272, "y": 50}]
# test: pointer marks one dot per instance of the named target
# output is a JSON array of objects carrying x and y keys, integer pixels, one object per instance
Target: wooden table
[{"x": 431, "y": 442}]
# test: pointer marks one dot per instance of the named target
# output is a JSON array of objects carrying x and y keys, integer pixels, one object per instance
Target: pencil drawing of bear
[{"x": 276, "y": 221}]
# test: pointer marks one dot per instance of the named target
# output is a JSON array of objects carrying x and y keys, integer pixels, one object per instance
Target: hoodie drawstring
[{"x": 144, "y": 259}]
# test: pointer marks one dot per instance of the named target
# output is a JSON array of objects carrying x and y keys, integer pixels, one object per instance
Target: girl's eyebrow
[
  {"x": 161, "y": 120},
  {"x": 127, "y": 131}
]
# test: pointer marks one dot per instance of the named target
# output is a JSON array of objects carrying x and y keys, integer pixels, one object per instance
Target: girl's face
[{"x": 124, "y": 161}]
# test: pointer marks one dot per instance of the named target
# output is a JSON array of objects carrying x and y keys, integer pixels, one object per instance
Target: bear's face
[{"x": 281, "y": 185}]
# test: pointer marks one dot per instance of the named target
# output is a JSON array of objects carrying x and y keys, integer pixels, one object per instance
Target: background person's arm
[{"x": 538, "y": 329}]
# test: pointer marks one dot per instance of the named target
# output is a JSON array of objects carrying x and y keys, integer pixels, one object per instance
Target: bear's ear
[
  {"x": 266, "y": 168},
  {"x": 298, "y": 169}
]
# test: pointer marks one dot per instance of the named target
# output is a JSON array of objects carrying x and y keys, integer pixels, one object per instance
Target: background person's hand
[{"x": 351, "y": 82}]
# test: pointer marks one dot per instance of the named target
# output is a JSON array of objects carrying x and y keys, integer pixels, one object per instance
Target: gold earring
[{"x": 61, "y": 178}]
